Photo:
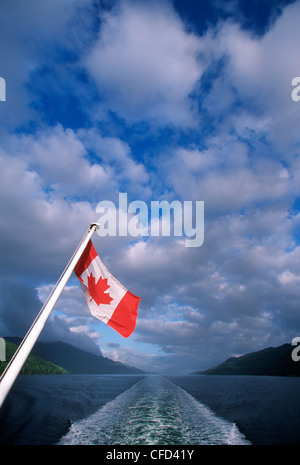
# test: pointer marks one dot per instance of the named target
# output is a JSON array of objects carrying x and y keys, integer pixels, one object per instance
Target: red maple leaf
[{"x": 97, "y": 290}]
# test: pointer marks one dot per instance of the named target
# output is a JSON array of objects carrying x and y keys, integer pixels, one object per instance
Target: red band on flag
[
  {"x": 85, "y": 260},
  {"x": 124, "y": 317}
]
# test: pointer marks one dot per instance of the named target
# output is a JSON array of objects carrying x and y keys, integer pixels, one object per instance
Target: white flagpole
[{"x": 13, "y": 368}]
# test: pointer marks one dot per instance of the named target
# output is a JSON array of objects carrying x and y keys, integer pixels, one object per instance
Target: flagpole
[{"x": 12, "y": 370}]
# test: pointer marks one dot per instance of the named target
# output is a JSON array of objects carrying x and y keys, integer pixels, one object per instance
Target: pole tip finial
[{"x": 95, "y": 225}]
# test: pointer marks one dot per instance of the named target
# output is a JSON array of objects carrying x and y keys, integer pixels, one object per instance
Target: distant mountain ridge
[
  {"x": 75, "y": 360},
  {"x": 272, "y": 361}
]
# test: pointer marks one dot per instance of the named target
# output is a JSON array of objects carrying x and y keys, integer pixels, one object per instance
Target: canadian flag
[{"x": 107, "y": 299}]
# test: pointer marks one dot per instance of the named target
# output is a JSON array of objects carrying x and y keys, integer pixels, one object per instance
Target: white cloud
[
  {"x": 258, "y": 72},
  {"x": 166, "y": 333},
  {"x": 116, "y": 157},
  {"x": 224, "y": 175},
  {"x": 256, "y": 69},
  {"x": 48, "y": 180},
  {"x": 60, "y": 159},
  {"x": 288, "y": 278},
  {"x": 145, "y": 64},
  {"x": 37, "y": 230},
  {"x": 71, "y": 301}
]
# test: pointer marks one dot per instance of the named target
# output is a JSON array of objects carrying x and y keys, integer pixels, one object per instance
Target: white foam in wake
[{"x": 154, "y": 411}]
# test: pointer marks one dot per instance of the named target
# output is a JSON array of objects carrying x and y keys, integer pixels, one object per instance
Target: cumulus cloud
[
  {"x": 224, "y": 175},
  {"x": 146, "y": 64},
  {"x": 116, "y": 157},
  {"x": 50, "y": 189},
  {"x": 255, "y": 75},
  {"x": 30, "y": 221},
  {"x": 60, "y": 160}
]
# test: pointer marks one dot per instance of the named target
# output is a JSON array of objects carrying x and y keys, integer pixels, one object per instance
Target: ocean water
[
  {"x": 154, "y": 411},
  {"x": 266, "y": 409},
  {"x": 151, "y": 410}
]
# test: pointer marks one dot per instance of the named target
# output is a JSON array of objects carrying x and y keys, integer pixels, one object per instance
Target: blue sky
[{"x": 163, "y": 100}]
